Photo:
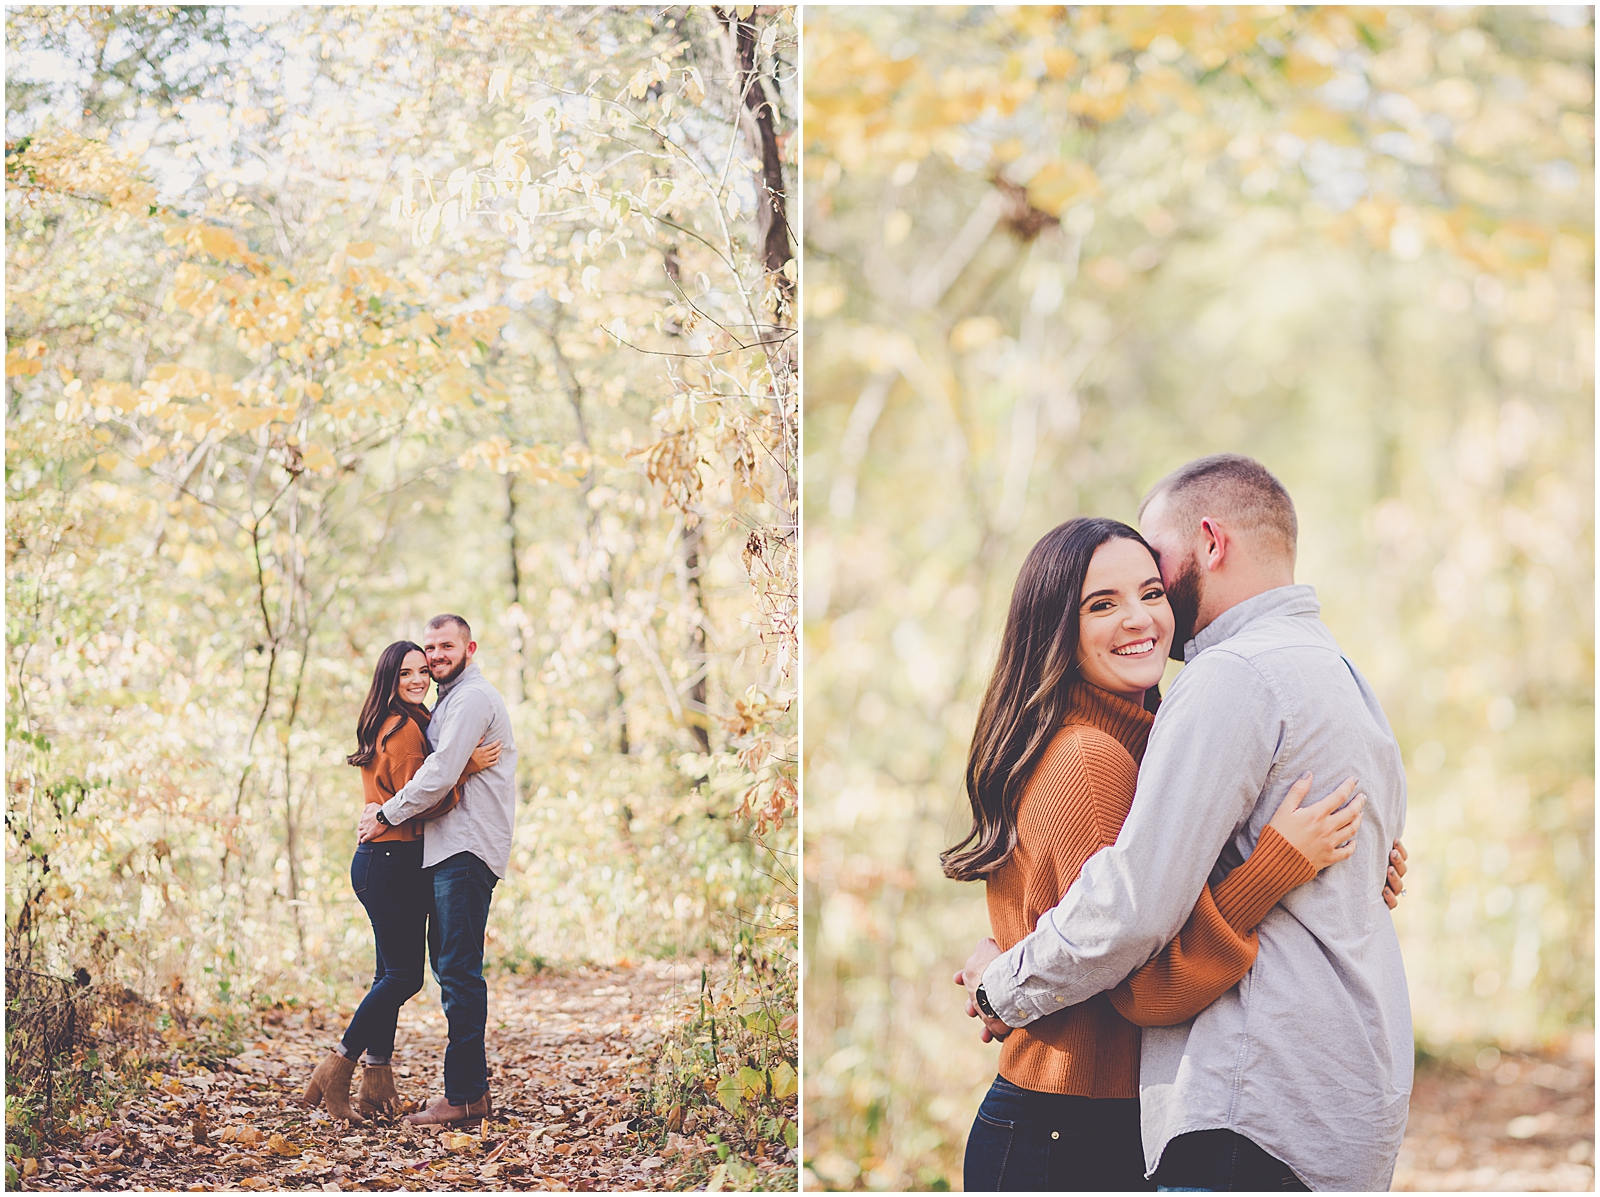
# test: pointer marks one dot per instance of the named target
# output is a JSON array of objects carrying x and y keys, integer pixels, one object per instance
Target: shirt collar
[
  {"x": 469, "y": 671},
  {"x": 1282, "y": 600}
]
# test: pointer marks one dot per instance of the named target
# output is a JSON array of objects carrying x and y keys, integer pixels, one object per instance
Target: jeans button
[{"x": 1055, "y": 1134}]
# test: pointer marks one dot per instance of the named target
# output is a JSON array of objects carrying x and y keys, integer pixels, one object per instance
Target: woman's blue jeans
[
  {"x": 389, "y": 880},
  {"x": 462, "y": 887},
  {"x": 1023, "y": 1141}
]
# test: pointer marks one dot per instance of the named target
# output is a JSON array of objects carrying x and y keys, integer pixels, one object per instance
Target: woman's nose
[{"x": 1135, "y": 617}]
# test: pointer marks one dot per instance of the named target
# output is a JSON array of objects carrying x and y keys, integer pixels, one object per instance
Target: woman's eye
[{"x": 1154, "y": 594}]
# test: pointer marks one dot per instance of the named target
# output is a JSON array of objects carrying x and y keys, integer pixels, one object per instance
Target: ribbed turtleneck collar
[{"x": 1128, "y": 724}]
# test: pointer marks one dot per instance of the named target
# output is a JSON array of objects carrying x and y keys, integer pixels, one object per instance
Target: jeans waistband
[
  {"x": 392, "y": 847},
  {"x": 1013, "y": 1103}
]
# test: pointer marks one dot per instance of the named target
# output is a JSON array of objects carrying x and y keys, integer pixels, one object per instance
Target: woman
[
  {"x": 392, "y": 743},
  {"x": 1051, "y": 778}
]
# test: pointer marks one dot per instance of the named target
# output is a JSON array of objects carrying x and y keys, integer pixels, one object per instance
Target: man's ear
[
  {"x": 1217, "y": 543},
  {"x": 472, "y": 647}
]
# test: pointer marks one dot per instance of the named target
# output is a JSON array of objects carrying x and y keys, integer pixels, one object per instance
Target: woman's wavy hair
[
  {"x": 1028, "y": 695},
  {"x": 383, "y": 700}
]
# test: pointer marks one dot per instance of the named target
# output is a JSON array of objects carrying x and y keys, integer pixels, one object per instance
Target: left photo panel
[{"x": 402, "y": 550}]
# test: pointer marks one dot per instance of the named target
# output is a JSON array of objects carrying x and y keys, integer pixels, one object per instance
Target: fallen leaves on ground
[
  {"x": 1506, "y": 1123},
  {"x": 567, "y": 1056}
]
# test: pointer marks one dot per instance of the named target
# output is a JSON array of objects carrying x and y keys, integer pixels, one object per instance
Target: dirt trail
[
  {"x": 562, "y": 1051},
  {"x": 1514, "y": 1123}
]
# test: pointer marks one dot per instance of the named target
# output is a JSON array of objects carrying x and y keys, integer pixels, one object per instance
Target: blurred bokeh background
[{"x": 1052, "y": 254}]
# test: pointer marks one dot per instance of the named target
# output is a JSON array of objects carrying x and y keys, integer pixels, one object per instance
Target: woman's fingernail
[{"x": 1306, "y": 775}]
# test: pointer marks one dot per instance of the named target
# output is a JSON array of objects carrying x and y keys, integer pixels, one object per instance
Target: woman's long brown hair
[
  {"x": 383, "y": 700},
  {"x": 1028, "y": 695}
]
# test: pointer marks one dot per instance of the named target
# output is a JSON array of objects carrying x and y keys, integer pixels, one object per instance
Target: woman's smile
[{"x": 1137, "y": 649}]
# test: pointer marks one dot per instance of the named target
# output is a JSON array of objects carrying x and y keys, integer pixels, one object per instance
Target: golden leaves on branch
[
  {"x": 766, "y": 753},
  {"x": 65, "y": 162},
  {"x": 673, "y": 462},
  {"x": 222, "y": 244},
  {"x": 26, "y": 359},
  {"x": 543, "y": 463},
  {"x": 1058, "y": 185}
]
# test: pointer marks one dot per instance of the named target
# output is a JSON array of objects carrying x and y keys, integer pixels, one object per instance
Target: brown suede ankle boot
[
  {"x": 377, "y": 1094},
  {"x": 440, "y": 1112},
  {"x": 329, "y": 1087}
]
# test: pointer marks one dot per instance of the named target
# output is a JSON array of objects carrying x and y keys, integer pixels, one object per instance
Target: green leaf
[
  {"x": 730, "y": 1094},
  {"x": 784, "y": 1081},
  {"x": 753, "y": 1081}
]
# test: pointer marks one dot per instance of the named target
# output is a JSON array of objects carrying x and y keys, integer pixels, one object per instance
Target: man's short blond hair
[
  {"x": 439, "y": 621},
  {"x": 1233, "y": 488}
]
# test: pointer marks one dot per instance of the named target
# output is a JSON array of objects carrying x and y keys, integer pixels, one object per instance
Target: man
[
  {"x": 1301, "y": 1075},
  {"x": 465, "y": 852}
]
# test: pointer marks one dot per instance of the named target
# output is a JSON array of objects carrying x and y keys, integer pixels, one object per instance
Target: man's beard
[
  {"x": 1183, "y": 596},
  {"x": 446, "y": 679}
]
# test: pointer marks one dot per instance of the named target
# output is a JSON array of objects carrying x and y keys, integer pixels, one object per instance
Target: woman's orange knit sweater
[
  {"x": 1074, "y": 805},
  {"x": 400, "y": 753}
]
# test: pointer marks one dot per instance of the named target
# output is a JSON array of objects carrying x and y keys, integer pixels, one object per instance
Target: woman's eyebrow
[{"x": 1112, "y": 592}]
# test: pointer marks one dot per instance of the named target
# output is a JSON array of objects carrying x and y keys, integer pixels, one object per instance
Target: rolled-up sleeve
[
  {"x": 461, "y": 725},
  {"x": 1206, "y": 765}
]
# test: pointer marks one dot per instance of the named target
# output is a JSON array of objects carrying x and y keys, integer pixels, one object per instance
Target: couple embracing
[
  {"x": 1196, "y": 977},
  {"x": 439, "y": 801}
]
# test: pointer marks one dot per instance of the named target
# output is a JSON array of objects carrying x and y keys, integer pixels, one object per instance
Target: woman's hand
[
  {"x": 1324, "y": 832},
  {"x": 483, "y": 757},
  {"x": 1395, "y": 883}
]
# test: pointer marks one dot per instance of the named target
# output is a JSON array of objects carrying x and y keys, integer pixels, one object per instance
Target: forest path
[
  {"x": 563, "y": 1048},
  {"x": 1517, "y": 1123}
]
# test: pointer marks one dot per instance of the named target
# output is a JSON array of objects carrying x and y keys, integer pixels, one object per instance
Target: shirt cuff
[
  {"x": 391, "y": 812},
  {"x": 1005, "y": 993}
]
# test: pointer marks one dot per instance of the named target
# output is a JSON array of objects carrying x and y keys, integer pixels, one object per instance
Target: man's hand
[
  {"x": 369, "y": 828},
  {"x": 971, "y": 976},
  {"x": 1395, "y": 882}
]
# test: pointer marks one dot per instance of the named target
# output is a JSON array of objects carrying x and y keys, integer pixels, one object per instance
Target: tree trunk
[
  {"x": 519, "y": 645},
  {"x": 699, "y": 664},
  {"x": 762, "y": 129}
]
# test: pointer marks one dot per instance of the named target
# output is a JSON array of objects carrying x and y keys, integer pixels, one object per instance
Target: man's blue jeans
[
  {"x": 1222, "y": 1161},
  {"x": 462, "y": 887}
]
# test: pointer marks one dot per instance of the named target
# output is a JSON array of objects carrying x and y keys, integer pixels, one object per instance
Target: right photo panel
[{"x": 1198, "y": 598}]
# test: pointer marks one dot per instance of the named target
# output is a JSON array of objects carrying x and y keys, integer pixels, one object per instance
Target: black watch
[
  {"x": 982, "y": 1000},
  {"x": 382, "y": 818}
]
